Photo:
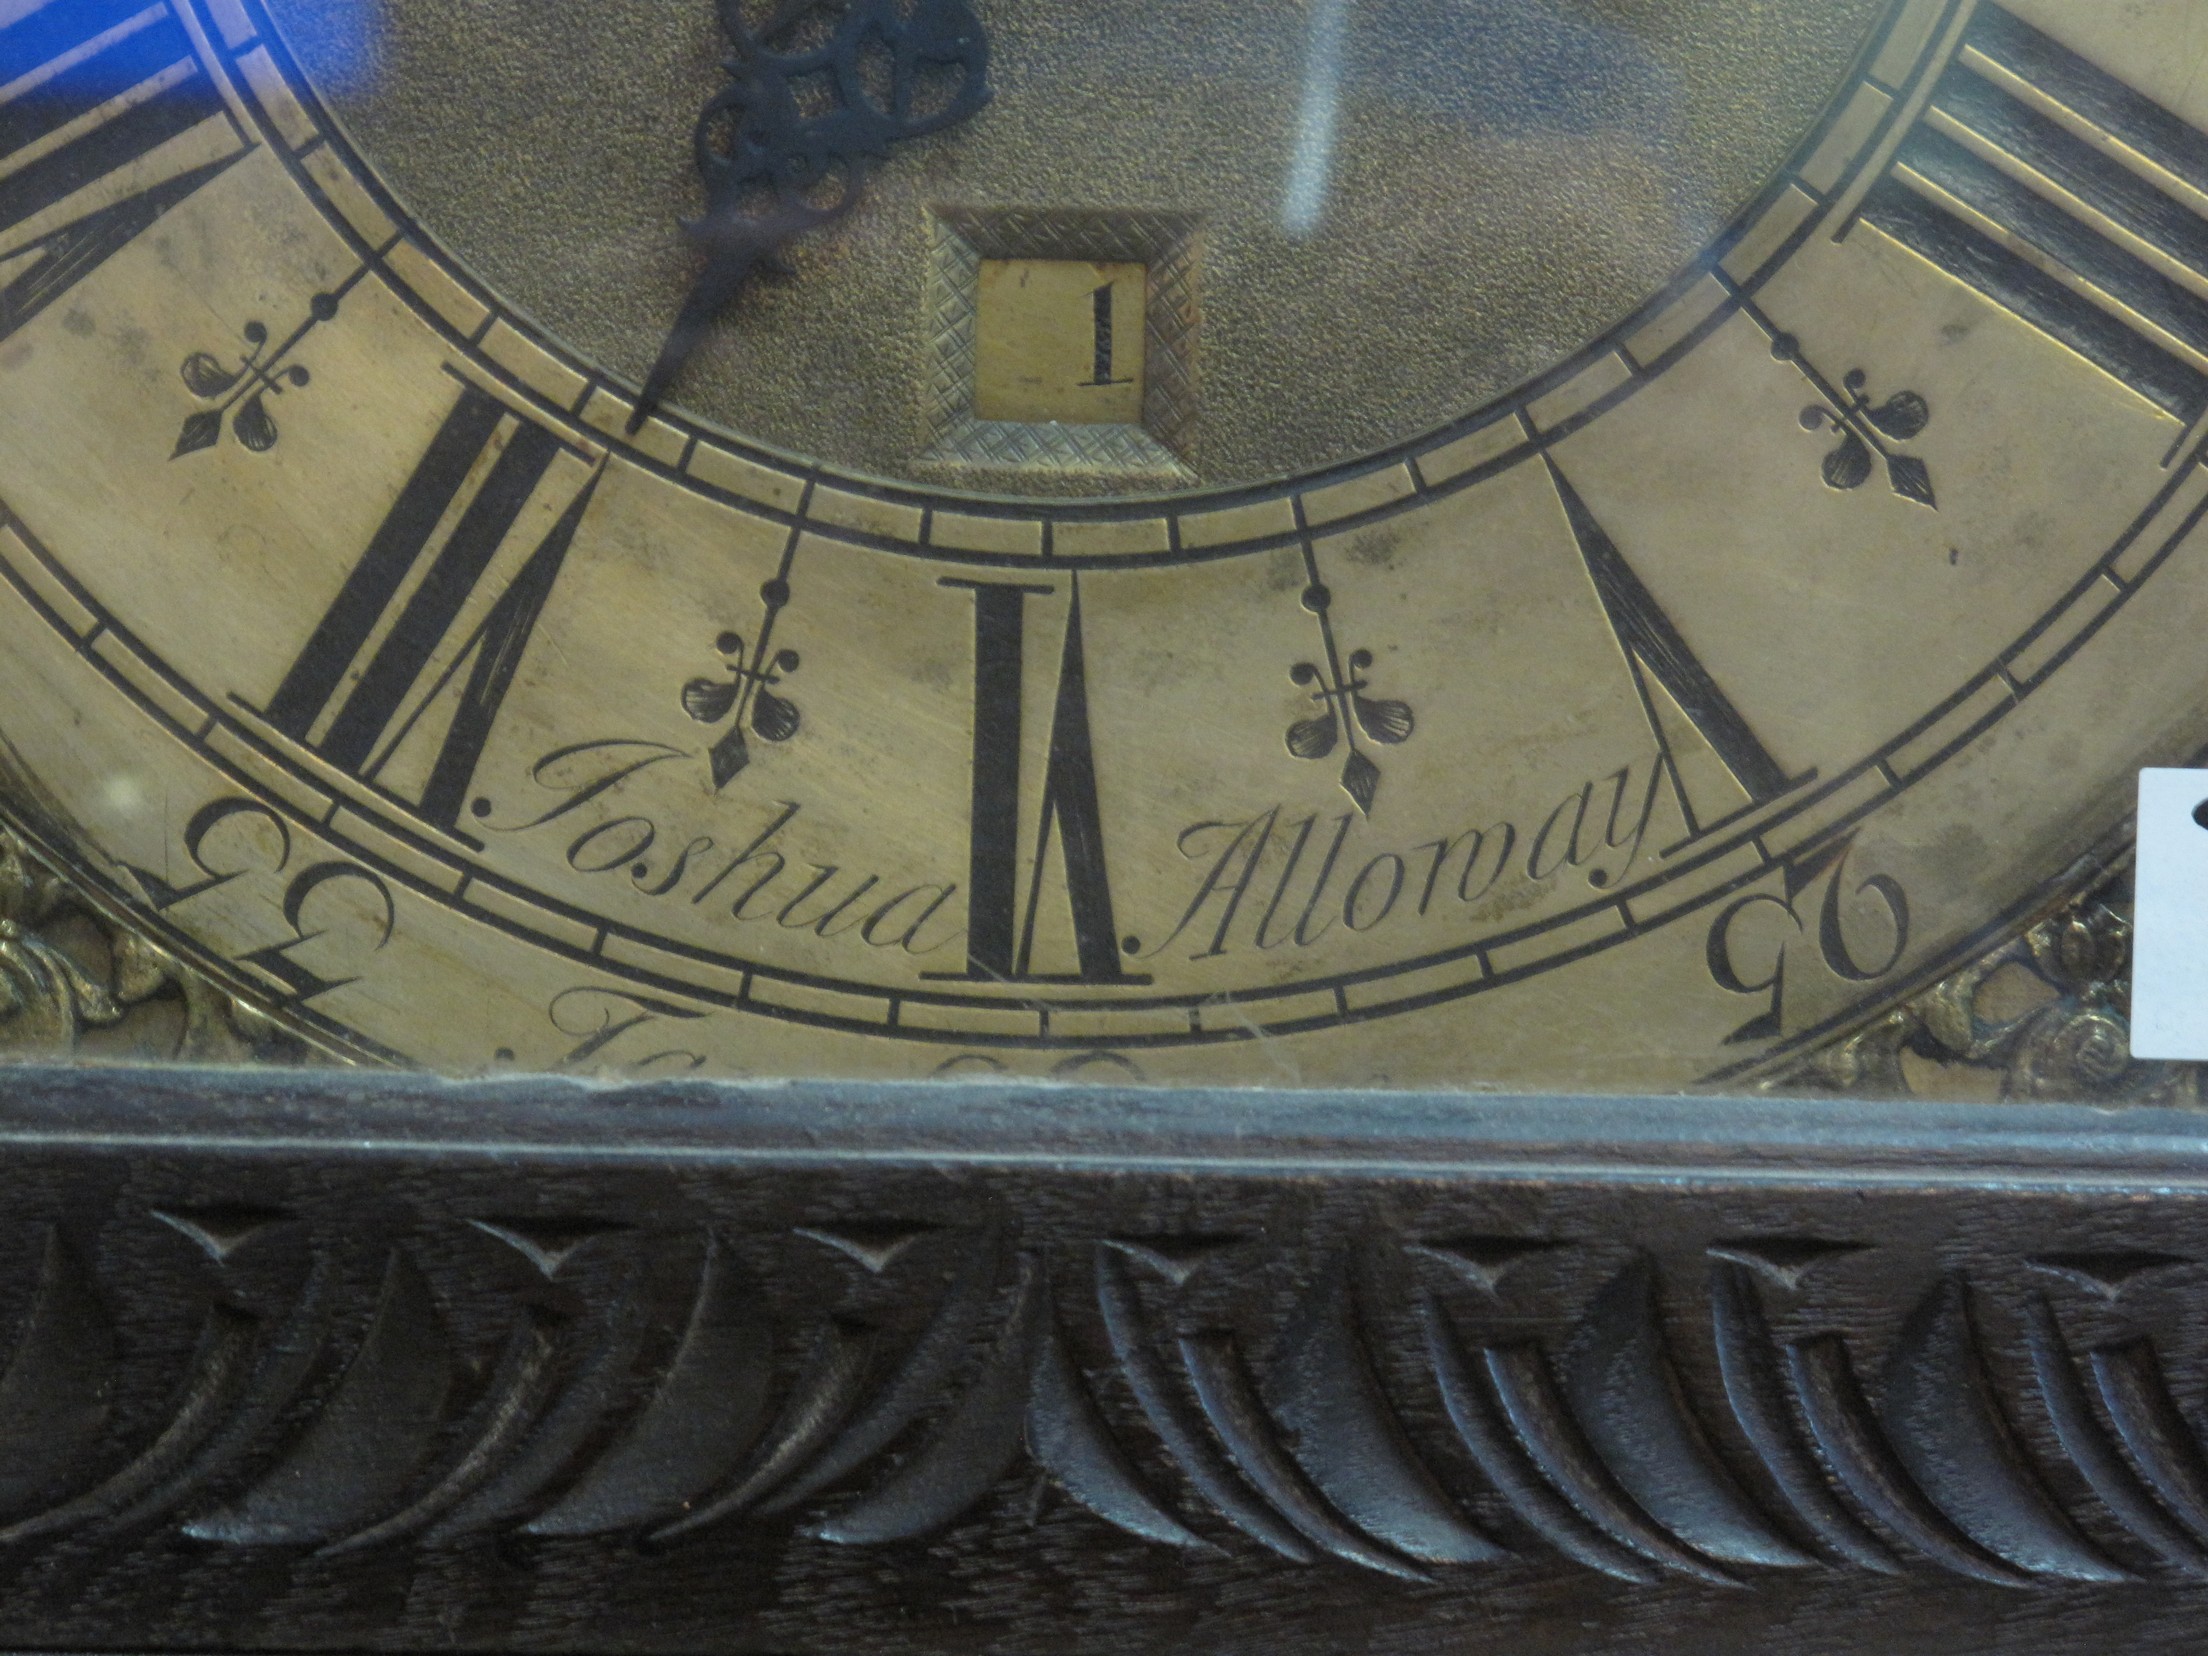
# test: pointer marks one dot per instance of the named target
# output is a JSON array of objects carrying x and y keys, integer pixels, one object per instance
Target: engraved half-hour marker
[
  {"x": 392, "y": 645},
  {"x": 107, "y": 120},
  {"x": 748, "y": 690},
  {"x": 2068, "y": 199},
  {"x": 1345, "y": 711}
]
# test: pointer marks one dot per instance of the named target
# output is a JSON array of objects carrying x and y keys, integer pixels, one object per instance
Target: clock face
[{"x": 1564, "y": 543}]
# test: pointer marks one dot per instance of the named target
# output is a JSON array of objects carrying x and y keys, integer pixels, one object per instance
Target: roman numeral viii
[
  {"x": 2066, "y": 198},
  {"x": 401, "y": 681},
  {"x": 107, "y": 120}
]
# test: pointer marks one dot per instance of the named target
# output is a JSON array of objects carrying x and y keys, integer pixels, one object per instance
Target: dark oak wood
[{"x": 343, "y": 1363}]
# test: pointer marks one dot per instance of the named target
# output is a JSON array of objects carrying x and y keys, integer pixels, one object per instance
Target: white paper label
[{"x": 2169, "y": 940}]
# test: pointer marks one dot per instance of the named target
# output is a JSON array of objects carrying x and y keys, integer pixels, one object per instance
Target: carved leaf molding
[{"x": 298, "y": 1423}]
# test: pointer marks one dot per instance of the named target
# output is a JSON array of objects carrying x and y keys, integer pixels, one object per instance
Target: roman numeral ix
[
  {"x": 377, "y": 690},
  {"x": 2066, "y": 198},
  {"x": 107, "y": 120}
]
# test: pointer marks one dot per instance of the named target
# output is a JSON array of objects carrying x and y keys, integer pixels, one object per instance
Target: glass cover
[{"x": 1560, "y": 544}]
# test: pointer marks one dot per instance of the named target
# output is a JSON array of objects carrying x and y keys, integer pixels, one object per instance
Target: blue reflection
[
  {"x": 338, "y": 42},
  {"x": 64, "y": 58},
  {"x": 78, "y": 54}
]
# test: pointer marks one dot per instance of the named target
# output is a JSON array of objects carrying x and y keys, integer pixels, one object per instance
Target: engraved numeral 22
[
  {"x": 379, "y": 669},
  {"x": 107, "y": 120}
]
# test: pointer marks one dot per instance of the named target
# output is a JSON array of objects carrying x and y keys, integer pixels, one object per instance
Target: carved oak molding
[{"x": 326, "y": 1365}]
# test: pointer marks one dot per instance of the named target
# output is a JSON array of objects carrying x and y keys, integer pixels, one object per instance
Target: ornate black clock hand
[{"x": 818, "y": 92}]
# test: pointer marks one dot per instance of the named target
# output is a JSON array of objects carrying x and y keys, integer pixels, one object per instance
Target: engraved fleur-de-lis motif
[
  {"x": 1867, "y": 431},
  {"x": 1345, "y": 709},
  {"x": 744, "y": 693},
  {"x": 240, "y": 394}
]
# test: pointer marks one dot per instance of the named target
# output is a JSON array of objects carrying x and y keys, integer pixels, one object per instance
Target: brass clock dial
[{"x": 1578, "y": 545}]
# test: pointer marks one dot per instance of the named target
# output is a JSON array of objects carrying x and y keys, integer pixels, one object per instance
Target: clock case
[{"x": 1899, "y": 1351}]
